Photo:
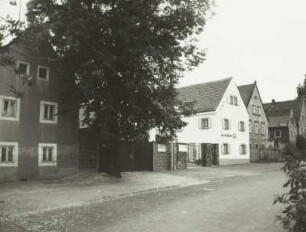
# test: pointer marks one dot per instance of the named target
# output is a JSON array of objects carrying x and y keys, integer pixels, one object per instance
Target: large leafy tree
[{"x": 122, "y": 59}]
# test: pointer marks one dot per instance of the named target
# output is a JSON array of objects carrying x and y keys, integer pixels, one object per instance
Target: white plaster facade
[{"x": 215, "y": 134}]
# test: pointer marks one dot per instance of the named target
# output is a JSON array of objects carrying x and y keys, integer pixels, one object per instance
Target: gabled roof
[
  {"x": 246, "y": 92},
  {"x": 278, "y": 108},
  {"x": 206, "y": 96},
  {"x": 278, "y": 113}
]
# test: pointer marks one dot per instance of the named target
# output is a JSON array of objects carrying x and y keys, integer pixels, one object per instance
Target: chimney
[{"x": 273, "y": 101}]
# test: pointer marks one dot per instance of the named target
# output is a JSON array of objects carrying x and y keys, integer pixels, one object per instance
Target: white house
[{"x": 220, "y": 125}]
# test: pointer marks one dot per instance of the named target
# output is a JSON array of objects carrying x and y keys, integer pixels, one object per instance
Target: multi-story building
[
  {"x": 37, "y": 140},
  {"x": 258, "y": 123},
  {"x": 282, "y": 125},
  {"x": 299, "y": 112},
  {"x": 219, "y": 127}
]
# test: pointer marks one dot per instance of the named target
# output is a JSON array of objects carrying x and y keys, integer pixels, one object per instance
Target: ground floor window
[
  {"x": 243, "y": 149},
  {"x": 47, "y": 154},
  {"x": 8, "y": 154},
  {"x": 226, "y": 148}
]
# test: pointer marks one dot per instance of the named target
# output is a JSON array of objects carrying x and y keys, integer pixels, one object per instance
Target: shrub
[
  {"x": 293, "y": 217},
  {"x": 301, "y": 142}
]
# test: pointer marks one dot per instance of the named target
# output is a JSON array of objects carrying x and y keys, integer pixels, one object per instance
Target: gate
[
  {"x": 131, "y": 156},
  {"x": 210, "y": 154}
]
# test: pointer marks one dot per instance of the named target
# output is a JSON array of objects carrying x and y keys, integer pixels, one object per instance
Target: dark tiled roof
[
  {"x": 206, "y": 96},
  {"x": 278, "y": 108},
  {"x": 246, "y": 92}
]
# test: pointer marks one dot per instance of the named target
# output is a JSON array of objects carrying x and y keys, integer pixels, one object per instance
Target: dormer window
[{"x": 43, "y": 73}]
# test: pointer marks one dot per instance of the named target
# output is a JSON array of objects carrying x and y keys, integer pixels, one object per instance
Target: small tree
[{"x": 293, "y": 217}]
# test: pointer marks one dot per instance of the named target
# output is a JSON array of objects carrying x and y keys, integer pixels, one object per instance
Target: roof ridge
[{"x": 208, "y": 82}]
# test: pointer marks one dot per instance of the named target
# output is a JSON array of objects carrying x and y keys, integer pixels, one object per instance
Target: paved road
[{"x": 241, "y": 204}]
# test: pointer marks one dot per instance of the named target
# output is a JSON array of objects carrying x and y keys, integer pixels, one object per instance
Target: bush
[
  {"x": 301, "y": 142},
  {"x": 293, "y": 217}
]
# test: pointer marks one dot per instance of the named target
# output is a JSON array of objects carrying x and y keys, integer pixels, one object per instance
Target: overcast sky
[{"x": 262, "y": 40}]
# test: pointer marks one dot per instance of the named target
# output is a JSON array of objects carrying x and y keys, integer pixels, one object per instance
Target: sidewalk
[{"x": 23, "y": 198}]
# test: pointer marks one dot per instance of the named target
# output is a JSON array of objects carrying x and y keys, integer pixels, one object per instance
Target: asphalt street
[{"x": 241, "y": 204}]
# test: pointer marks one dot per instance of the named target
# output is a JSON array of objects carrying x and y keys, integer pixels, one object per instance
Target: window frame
[
  {"x": 16, "y": 118},
  {"x": 228, "y": 148},
  {"x": 201, "y": 124},
  {"x": 42, "y": 163},
  {"x": 243, "y": 151},
  {"x": 233, "y": 100},
  {"x": 263, "y": 129},
  {"x": 41, "y": 114},
  {"x": 280, "y": 134},
  {"x": 256, "y": 127},
  {"x": 15, "y": 154},
  {"x": 28, "y": 67},
  {"x": 224, "y": 127},
  {"x": 241, "y": 126},
  {"x": 48, "y": 71}
]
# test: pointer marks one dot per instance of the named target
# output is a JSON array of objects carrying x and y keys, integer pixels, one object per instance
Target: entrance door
[{"x": 210, "y": 154}]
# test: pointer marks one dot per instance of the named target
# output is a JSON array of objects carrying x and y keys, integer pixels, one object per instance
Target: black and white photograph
[{"x": 152, "y": 115}]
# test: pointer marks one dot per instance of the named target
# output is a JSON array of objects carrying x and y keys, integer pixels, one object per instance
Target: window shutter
[
  {"x": 229, "y": 148},
  {"x": 240, "y": 149},
  {"x": 222, "y": 148},
  {"x": 239, "y": 125},
  {"x": 223, "y": 123},
  {"x": 200, "y": 123},
  {"x": 209, "y": 123},
  {"x": 229, "y": 124}
]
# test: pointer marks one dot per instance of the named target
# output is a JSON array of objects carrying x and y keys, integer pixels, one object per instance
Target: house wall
[
  {"x": 216, "y": 135},
  {"x": 302, "y": 121},
  {"x": 28, "y": 132},
  {"x": 260, "y": 139}
]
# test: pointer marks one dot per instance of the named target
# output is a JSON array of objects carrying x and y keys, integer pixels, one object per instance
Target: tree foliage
[
  {"x": 301, "y": 89},
  {"x": 293, "y": 217},
  {"x": 123, "y": 56}
]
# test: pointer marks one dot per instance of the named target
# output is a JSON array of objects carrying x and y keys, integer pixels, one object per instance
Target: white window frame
[
  {"x": 280, "y": 134},
  {"x": 224, "y": 124},
  {"x": 258, "y": 110},
  {"x": 240, "y": 123},
  {"x": 254, "y": 109},
  {"x": 41, "y": 116},
  {"x": 228, "y": 148},
  {"x": 201, "y": 124},
  {"x": 250, "y": 126},
  {"x": 241, "y": 149},
  {"x": 16, "y": 118},
  {"x": 28, "y": 67},
  {"x": 15, "y": 154},
  {"x": 40, "y": 154},
  {"x": 48, "y": 70}
]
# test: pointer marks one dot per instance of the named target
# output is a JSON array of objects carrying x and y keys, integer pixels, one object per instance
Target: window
[
  {"x": 47, "y": 154},
  {"x": 9, "y": 108},
  {"x": 226, "y": 149},
  {"x": 254, "y": 109},
  {"x": 241, "y": 126},
  {"x": 258, "y": 111},
  {"x": 48, "y": 112},
  {"x": 8, "y": 154},
  {"x": 256, "y": 127},
  {"x": 226, "y": 124},
  {"x": 42, "y": 72},
  {"x": 277, "y": 134},
  {"x": 23, "y": 68},
  {"x": 243, "y": 149},
  {"x": 263, "y": 128},
  {"x": 204, "y": 123},
  {"x": 233, "y": 100},
  {"x": 250, "y": 126}
]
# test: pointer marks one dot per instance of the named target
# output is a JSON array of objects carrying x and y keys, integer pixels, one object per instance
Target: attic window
[{"x": 256, "y": 97}]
